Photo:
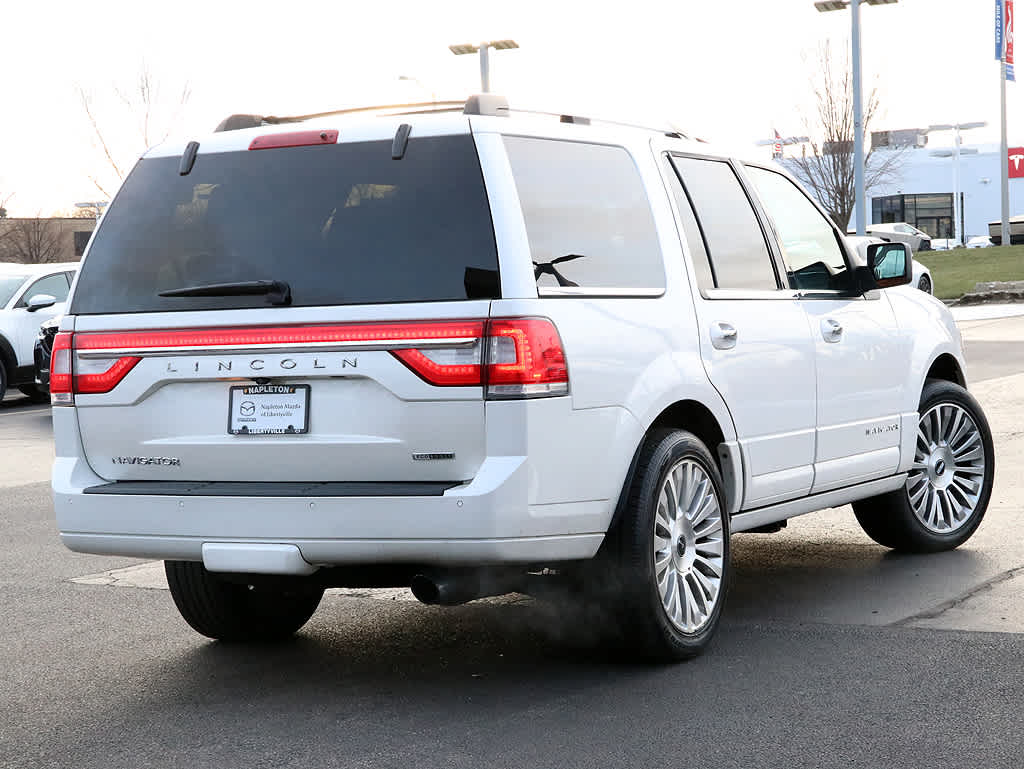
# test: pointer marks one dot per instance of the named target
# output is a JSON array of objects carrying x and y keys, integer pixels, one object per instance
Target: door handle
[
  {"x": 831, "y": 330},
  {"x": 723, "y": 335}
]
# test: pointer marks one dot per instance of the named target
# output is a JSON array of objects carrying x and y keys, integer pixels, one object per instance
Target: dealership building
[{"x": 920, "y": 188}]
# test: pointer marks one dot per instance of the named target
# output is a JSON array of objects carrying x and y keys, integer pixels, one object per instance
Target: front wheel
[
  {"x": 925, "y": 284},
  {"x": 949, "y": 483},
  {"x": 672, "y": 550},
  {"x": 235, "y": 611},
  {"x": 35, "y": 394}
]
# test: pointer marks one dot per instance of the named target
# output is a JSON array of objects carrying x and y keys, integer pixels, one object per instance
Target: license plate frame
[{"x": 256, "y": 416}]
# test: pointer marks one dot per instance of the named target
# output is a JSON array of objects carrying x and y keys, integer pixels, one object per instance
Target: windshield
[
  {"x": 9, "y": 284},
  {"x": 340, "y": 224}
]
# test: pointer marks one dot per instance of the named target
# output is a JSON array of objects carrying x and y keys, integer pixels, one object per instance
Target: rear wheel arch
[{"x": 690, "y": 415}]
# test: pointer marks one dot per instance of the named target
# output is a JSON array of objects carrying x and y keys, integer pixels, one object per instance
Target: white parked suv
[
  {"x": 480, "y": 351},
  {"x": 29, "y": 295}
]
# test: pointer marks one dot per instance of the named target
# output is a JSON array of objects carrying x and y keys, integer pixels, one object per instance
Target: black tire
[
  {"x": 925, "y": 284},
  {"x": 644, "y": 626},
  {"x": 34, "y": 393},
  {"x": 889, "y": 519},
  {"x": 3, "y": 380},
  {"x": 234, "y": 611}
]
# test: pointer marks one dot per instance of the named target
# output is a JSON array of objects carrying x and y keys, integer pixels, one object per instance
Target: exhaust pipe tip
[
  {"x": 426, "y": 590},
  {"x": 459, "y": 586}
]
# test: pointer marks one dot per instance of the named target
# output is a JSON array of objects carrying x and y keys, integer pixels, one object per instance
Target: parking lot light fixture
[
  {"x": 955, "y": 153},
  {"x": 858, "y": 119},
  {"x": 95, "y": 205},
  {"x": 485, "y": 73}
]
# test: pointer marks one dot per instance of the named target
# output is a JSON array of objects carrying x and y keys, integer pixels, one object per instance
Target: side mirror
[
  {"x": 890, "y": 264},
  {"x": 39, "y": 302}
]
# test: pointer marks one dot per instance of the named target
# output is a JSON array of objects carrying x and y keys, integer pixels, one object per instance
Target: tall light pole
[
  {"x": 956, "y": 128},
  {"x": 858, "y": 117},
  {"x": 485, "y": 70}
]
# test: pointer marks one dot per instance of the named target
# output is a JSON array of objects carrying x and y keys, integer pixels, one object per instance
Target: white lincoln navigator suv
[{"x": 472, "y": 350}]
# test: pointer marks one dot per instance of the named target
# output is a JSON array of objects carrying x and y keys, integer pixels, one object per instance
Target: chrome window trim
[
  {"x": 556, "y": 292},
  {"x": 718, "y": 294}
]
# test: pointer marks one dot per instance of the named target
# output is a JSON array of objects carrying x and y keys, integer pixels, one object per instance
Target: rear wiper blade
[{"x": 276, "y": 291}]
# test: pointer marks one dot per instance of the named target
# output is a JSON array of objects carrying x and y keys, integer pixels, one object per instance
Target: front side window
[
  {"x": 587, "y": 216},
  {"x": 814, "y": 259},
  {"x": 735, "y": 242},
  {"x": 52, "y": 285}
]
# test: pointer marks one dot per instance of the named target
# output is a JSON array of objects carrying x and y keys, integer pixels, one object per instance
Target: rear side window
[
  {"x": 341, "y": 224},
  {"x": 587, "y": 216},
  {"x": 735, "y": 242}
]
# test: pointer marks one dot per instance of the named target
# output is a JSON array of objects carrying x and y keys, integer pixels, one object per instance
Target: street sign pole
[
  {"x": 858, "y": 122},
  {"x": 1002, "y": 33}
]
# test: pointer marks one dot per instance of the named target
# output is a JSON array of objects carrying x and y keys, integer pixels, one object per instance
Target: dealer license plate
[{"x": 268, "y": 409}]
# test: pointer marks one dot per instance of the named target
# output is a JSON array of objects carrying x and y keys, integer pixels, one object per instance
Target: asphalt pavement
[{"x": 832, "y": 652}]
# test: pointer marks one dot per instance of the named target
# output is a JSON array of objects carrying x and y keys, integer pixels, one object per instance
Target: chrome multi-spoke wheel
[
  {"x": 665, "y": 572},
  {"x": 949, "y": 483},
  {"x": 688, "y": 546},
  {"x": 945, "y": 482}
]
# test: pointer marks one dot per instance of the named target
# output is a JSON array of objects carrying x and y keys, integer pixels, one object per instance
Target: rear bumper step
[{"x": 276, "y": 489}]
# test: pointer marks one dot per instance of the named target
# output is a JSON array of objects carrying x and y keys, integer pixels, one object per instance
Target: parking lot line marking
[
  {"x": 23, "y": 411},
  {"x": 150, "y": 576}
]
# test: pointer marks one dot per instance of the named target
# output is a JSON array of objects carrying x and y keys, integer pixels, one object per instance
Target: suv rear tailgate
[{"x": 359, "y": 237}]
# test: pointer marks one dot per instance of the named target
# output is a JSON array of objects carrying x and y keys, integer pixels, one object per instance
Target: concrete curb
[{"x": 991, "y": 293}]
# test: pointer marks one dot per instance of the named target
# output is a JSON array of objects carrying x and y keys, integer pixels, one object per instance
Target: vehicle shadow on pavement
[{"x": 844, "y": 581}]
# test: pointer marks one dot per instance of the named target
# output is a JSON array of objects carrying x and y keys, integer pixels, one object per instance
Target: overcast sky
[{"x": 727, "y": 70}]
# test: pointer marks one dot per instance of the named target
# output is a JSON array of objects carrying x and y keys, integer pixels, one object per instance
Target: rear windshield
[{"x": 340, "y": 224}]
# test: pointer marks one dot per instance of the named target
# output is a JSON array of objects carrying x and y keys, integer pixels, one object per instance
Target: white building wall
[{"x": 919, "y": 172}]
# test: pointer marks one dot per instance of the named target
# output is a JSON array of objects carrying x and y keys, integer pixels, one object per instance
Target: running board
[{"x": 780, "y": 512}]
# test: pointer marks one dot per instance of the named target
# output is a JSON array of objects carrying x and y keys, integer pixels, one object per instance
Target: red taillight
[
  {"x": 107, "y": 376},
  {"x": 88, "y": 377},
  {"x": 280, "y": 336},
  {"x": 524, "y": 359},
  {"x": 511, "y": 357},
  {"x": 60, "y": 370},
  {"x": 293, "y": 139}
]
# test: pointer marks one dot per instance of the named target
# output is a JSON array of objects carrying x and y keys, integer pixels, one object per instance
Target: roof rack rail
[
  {"x": 235, "y": 122},
  {"x": 477, "y": 104},
  {"x": 668, "y": 128}
]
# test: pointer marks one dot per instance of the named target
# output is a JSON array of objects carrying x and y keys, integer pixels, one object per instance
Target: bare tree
[
  {"x": 30, "y": 241},
  {"x": 828, "y": 171},
  {"x": 3, "y": 204},
  {"x": 140, "y": 104}
]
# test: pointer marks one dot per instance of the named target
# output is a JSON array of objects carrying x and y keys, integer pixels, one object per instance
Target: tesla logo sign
[{"x": 1016, "y": 157}]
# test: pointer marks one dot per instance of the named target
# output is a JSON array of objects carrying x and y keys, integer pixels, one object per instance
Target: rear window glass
[{"x": 340, "y": 224}]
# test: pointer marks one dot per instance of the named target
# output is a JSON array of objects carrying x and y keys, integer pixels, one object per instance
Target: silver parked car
[{"x": 901, "y": 232}]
